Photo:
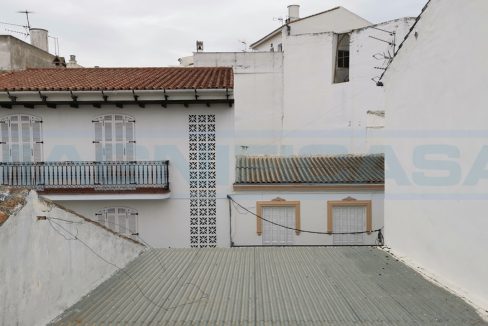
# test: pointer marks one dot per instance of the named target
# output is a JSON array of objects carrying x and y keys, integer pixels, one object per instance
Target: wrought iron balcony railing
[{"x": 83, "y": 176}]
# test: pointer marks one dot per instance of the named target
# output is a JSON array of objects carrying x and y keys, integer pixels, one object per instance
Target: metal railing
[{"x": 82, "y": 175}]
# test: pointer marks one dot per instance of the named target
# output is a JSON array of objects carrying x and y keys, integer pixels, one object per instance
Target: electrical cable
[
  {"x": 300, "y": 230},
  {"x": 127, "y": 230},
  {"x": 75, "y": 237},
  {"x": 67, "y": 221}
]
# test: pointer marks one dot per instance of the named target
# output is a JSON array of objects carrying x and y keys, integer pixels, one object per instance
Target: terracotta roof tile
[
  {"x": 340, "y": 169},
  {"x": 91, "y": 79}
]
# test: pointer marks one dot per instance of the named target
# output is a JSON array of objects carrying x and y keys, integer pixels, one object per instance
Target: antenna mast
[{"x": 26, "y": 12}]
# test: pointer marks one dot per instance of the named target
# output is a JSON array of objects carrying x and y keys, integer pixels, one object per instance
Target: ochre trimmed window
[
  {"x": 349, "y": 202},
  {"x": 278, "y": 202}
]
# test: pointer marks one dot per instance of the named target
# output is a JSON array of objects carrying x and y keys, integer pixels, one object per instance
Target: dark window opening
[{"x": 342, "y": 59}]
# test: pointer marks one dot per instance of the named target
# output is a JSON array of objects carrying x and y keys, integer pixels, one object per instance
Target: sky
[{"x": 152, "y": 33}]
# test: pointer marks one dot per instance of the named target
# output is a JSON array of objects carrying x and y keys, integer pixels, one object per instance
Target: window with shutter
[
  {"x": 122, "y": 220},
  {"x": 21, "y": 138},
  {"x": 114, "y": 138}
]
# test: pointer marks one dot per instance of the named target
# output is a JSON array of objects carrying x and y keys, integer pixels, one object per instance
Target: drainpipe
[{"x": 230, "y": 221}]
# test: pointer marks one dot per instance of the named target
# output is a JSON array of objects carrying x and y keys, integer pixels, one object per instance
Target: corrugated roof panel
[
  {"x": 342, "y": 169},
  {"x": 240, "y": 286}
]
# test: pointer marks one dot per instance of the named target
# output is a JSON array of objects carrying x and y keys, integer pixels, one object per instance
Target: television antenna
[
  {"x": 244, "y": 45},
  {"x": 18, "y": 32},
  {"x": 26, "y": 12},
  {"x": 280, "y": 19},
  {"x": 26, "y": 28},
  {"x": 385, "y": 57}
]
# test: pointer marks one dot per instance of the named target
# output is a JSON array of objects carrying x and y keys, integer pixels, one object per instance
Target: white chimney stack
[
  {"x": 293, "y": 12},
  {"x": 39, "y": 38}
]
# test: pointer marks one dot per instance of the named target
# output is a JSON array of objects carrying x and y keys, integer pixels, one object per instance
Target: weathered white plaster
[
  {"x": 286, "y": 102},
  {"x": 436, "y": 114},
  {"x": 16, "y": 54},
  {"x": 41, "y": 272},
  {"x": 338, "y": 21}
]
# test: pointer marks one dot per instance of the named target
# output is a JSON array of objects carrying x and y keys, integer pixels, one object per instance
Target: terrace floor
[{"x": 264, "y": 286}]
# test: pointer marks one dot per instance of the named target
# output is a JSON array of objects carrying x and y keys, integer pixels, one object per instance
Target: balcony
[{"x": 68, "y": 180}]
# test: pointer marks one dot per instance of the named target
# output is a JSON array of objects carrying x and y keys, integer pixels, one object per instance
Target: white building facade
[
  {"x": 145, "y": 151},
  {"x": 157, "y": 161},
  {"x": 307, "y": 86},
  {"x": 436, "y": 186},
  {"x": 304, "y": 92}
]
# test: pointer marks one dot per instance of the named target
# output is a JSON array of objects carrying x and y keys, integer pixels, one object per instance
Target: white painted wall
[
  {"x": 287, "y": 104},
  {"x": 161, "y": 134},
  {"x": 313, "y": 206},
  {"x": 16, "y": 54},
  {"x": 437, "y": 115},
  {"x": 258, "y": 93},
  {"x": 337, "y": 21},
  {"x": 42, "y": 273},
  {"x": 161, "y": 223},
  {"x": 266, "y": 45}
]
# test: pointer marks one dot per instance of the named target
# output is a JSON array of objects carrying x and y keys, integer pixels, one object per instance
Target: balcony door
[
  {"x": 21, "y": 138},
  {"x": 114, "y": 138}
]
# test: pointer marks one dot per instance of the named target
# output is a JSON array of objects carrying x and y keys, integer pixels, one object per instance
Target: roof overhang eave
[{"x": 30, "y": 98}]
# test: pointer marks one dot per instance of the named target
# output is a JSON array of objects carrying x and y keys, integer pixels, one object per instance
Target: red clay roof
[{"x": 89, "y": 79}]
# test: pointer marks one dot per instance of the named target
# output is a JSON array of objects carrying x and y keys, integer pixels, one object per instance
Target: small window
[
  {"x": 122, "y": 220},
  {"x": 342, "y": 59}
]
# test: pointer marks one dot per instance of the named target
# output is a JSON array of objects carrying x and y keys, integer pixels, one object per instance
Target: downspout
[{"x": 230, "y": 221}]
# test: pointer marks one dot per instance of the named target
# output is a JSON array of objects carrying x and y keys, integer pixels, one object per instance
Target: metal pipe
[{"x": 230, "y": 221}]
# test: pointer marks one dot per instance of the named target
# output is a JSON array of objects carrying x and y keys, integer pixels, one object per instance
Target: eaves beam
[{"x": 98, "y": 104}]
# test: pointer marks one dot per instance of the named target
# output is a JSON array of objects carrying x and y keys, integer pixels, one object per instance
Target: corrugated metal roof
[
  {"x": 90, "y": 79},
  {"x": 341, "y": 169},
  {"x": 241, "y": 286}
]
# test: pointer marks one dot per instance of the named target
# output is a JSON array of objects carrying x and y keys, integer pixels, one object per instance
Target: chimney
[
  {"x": 293, "y": 12},
  {"x": 39, "y": 39},
  {"x": 72, "y": 59},
  {"x": 199, "y": 46}
]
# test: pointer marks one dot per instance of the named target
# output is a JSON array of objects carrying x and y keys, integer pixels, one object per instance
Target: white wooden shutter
[
  {"x": 108, "y": 138},
  {"x": 37, "y": 140},
  {"x": 111, "y": 219},
  {"x": 130, "y": 137},
  {"x": 122, "y": 220},
  {"x": 274, "y": 234},
  {"x": 21, "y": 138},
  {"x": 14, "y": 139},
  {"x": 5, "y": 140},
  {"x": 119, "y": 138},
  {"x": 349, "y": 219},
  {"x": 114, "y": 138},
  {"x": 26, "y": 139},
  {"x": 132, "y": 217},
  {"x": 98, "y": 141},
  {"x": 119, "y": 219},
  {"x": 102, "y": 217}
]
